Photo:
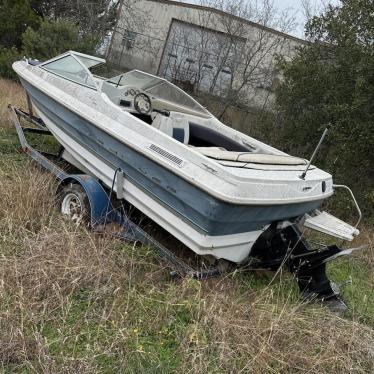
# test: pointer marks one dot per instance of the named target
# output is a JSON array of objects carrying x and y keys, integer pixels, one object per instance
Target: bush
[
  {"x": 15, "y": 17},
  {"x": 7, "y": 57},
  {"x": 331, "y": 80},
  {"x": 53, "y": 38},
  {"x": 49, "y": 40}
]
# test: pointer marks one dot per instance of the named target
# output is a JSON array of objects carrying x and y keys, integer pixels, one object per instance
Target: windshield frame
[{"x": 75, "y": 55}]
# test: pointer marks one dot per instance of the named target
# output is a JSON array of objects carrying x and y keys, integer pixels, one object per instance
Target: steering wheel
[{"x": 142, "y": 103}]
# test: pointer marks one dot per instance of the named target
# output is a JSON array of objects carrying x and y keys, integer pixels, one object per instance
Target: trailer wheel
[{"x": 74, "y": 203}]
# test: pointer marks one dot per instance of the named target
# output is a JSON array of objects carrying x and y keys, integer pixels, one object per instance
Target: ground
[{"x": 74, "y": 301}]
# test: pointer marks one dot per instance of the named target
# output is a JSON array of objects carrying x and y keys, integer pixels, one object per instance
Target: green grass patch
[{"x": 357, "y": 279}]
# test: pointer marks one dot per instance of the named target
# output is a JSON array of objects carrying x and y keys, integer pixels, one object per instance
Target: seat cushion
[
  {"x": 248, "y": 157},
  {"x": 163, "y": 123},
  {"x": 175, "y": 125}
]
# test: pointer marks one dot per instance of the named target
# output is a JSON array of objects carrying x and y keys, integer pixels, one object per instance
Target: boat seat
[
  {"x": 112, "y": 92},
  {"x": 175, "y": 125},
  {"x": 248, "y": 157}
]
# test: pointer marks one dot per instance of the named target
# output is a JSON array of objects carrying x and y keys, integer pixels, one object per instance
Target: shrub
[
  {"x": 53, "y": 38},
  {"x": 7, "y": 57},
  {"x": 331, "y": 81},
  {"x": 15, "y": 17}
]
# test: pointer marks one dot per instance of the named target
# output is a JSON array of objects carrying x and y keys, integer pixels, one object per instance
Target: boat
[{"x": 215, "y": 189}]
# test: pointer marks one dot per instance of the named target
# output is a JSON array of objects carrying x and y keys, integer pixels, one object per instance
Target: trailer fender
[{"x": 100, "y": 205}]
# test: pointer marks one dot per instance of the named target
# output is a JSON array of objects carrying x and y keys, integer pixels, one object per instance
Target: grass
[{"x": 73, "y": 301}]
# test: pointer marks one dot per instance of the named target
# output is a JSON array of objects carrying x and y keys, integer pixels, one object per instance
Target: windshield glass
[
  {"x": 136, "y": 79},
  {"x": 70, "y": 68},
  {"x": 166, "y": 91},
  {"x": 89, "y": 61},
  {"x": 157, "y": 87}
]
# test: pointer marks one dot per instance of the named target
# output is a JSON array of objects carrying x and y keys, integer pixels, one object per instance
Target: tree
[
  {"x": 331, "y": 80},
  {"x": 133, "y": 21},
  {"x": 15, "y": 17},
  {"x": 7, "y": 57},
  {"x": 92, "y": 17},
  {"x": 44, "y": 28},
  {"x": 53, "y": 38},
  {"x": 232, "y": 50},
  {"x": 254, "y": 73}
]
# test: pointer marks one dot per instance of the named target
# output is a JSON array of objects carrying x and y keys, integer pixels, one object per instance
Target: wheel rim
[{"x": 71, "y": 207}]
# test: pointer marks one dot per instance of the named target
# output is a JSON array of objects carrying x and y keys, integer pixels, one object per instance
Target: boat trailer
[{"x": 275, "y": 248}]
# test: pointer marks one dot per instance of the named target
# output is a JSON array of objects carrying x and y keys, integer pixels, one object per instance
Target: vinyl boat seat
[
  {"x": 112, "y": 92},
  {"x": 222, "y": 154},
  {"x": 175, "y": 125}
]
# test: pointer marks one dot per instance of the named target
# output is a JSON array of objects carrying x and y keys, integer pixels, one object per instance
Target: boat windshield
[
  {"x": 158, "y": 88},
  {"x": 74, "y": 67}
]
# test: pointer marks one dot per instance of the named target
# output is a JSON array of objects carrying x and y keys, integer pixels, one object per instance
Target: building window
[
  {"x": 226, "y": 71},
  {"x": 128, "y": 39}
]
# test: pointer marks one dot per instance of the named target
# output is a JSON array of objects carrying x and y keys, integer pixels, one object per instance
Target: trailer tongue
[{"x": 82, "y": 196}]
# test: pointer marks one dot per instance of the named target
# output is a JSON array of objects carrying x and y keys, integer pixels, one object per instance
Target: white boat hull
[
  {"x": 212, "y": 209},
  {"x": 234, "y": 247}
]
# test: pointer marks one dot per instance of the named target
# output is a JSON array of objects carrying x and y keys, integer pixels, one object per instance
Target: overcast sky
[{"x": 294, "y": 7}]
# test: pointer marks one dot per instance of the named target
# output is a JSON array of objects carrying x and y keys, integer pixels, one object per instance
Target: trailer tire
[{"x": 74, "y": 204}]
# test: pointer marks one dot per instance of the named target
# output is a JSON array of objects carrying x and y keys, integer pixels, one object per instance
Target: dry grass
[
  {"x": 28, "y": 205},
  {"x": 10, "y": 93},
  {"x": 366, "y": 237},
  {"x": 72, "y": 301},
  {"x": 274, "y": 335}
]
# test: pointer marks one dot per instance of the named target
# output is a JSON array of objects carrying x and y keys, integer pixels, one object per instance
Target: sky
[{"x": 294, "y": 7}]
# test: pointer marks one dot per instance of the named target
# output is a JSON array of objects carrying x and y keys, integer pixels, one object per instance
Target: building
[{"x": 200, "y": 48}]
